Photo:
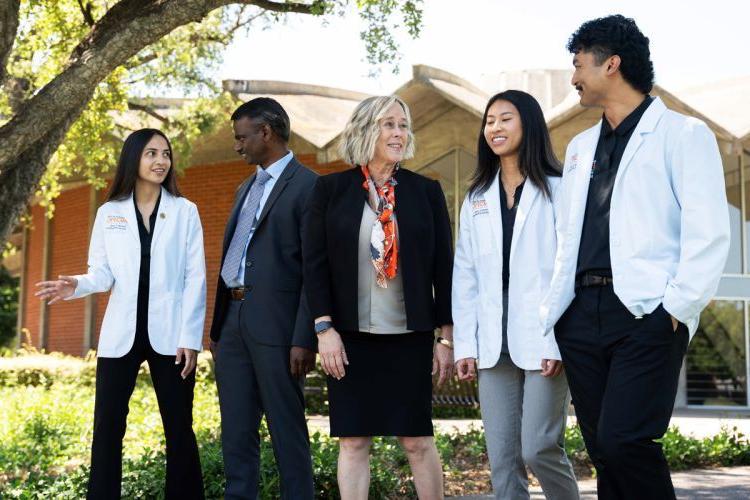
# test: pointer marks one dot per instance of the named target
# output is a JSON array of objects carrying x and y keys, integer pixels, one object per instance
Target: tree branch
[
  {"x": 299, "y": 8},
  {"x": 86, "y": 11},
  {"x": 140, "y": 61},
  {"x": 149, "y": 111},
  {"x": 8, "y": 28},
  {"x": 128, "y": 27}
]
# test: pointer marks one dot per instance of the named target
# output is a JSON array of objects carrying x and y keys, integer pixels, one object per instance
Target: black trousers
[
  {"x": 115, "y": 381},
  {"x": 623, "y": 374},
  {"x": 255, "y": 379}
]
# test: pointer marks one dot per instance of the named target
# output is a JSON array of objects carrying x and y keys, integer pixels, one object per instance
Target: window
[
  {"x": 716, "y": 362},
  {"x": 453, "y": 170}
]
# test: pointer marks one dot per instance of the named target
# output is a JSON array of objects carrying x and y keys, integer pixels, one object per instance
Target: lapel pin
[{"x": 163, "y": 215}]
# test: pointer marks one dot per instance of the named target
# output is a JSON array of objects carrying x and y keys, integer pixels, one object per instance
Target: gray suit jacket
[{"x": 275, "y": 310}]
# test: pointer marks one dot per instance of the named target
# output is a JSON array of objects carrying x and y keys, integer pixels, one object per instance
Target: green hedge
[{"x": 30, "y": 368}]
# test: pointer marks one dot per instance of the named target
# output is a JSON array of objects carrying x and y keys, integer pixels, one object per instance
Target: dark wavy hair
[
  {"x": 130, "y": 160},
  {"x": 536, "y": 158},
  {"x": 617, "y": 35}
]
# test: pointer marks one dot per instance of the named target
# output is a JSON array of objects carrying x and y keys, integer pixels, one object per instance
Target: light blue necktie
[{"x": 245, "y": 224}]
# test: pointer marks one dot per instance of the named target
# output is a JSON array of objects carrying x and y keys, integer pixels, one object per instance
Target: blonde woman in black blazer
[{"x": 378, "y": 263}]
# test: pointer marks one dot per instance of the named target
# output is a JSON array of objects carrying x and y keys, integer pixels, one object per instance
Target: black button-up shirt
[
  {"x": 144, "y": 274},
  {"x": 593, "y": 254},
  {"x": 509, "y": 219}
]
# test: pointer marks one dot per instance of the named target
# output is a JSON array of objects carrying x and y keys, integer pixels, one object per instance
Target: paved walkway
[{"x": 729, "y": 483}]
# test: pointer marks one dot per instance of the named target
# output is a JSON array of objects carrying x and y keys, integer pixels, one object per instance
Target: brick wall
[
  {"x": 211, "y": 187},
  {"x": 70, "y": 243}
]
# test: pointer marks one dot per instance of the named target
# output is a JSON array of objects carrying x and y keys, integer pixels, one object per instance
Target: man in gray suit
[{"x": 262, "y": 335}]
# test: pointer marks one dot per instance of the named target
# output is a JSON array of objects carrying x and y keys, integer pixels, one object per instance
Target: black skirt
[{"x": 387, "y": 389}]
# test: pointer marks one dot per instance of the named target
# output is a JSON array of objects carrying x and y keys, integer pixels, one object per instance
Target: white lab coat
[
  {"x": 669, "y": 219},
  {"x": 477, "y": 294},
  {"x": 177, "y": 288}
]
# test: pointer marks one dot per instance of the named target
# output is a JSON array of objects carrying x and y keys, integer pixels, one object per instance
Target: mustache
[{"x": 579, "y": 88}]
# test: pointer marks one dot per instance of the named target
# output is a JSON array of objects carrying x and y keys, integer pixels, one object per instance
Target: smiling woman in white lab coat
[
  {"x": 147, "y": 248},
  {"x": 503, "y": 265}
]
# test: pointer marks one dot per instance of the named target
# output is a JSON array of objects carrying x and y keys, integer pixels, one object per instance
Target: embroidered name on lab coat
[
  {"x": 116, "y": 223},
  {"x": 479, "y": 207},
  {"x": 573, "y": 163}
]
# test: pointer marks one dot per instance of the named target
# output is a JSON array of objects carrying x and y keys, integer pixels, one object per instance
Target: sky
[{"x": 692, "y": 42}]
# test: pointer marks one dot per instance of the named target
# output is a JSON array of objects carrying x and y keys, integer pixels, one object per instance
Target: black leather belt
[
  {"x": 587, "y": 279},
  {"x": 238, "y": 293}
]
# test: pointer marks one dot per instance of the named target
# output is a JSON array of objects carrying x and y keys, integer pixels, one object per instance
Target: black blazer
[
  {"x": 275, "y": 310},
  {"x": 330, "y": 248}
]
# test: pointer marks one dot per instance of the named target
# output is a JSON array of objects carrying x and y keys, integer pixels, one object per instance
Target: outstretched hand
[{"x": 58, "y": 289}]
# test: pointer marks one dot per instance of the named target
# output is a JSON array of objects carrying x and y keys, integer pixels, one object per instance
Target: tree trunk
[{"x": 17, "y": 186}]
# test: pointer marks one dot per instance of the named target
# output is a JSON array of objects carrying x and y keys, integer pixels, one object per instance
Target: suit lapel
[
  {"x": 528, "y": 196},
  {"x": 353, "y": 199},
  {"x": 278, "y": 187},
  {"x": 492, "y": 197}
]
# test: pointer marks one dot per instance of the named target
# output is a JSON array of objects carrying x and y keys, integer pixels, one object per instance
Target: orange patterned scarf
[{"x": 383, "y": 240}]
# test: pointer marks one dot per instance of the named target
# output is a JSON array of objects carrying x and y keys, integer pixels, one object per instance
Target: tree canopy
[{"x": 70, "y": 68}]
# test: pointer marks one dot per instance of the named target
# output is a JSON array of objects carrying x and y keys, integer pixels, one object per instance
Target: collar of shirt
[
  {"x": 153, "y": 212},
  {"x": 276, "y": 168},
  {"x": 630, "y": 121}
]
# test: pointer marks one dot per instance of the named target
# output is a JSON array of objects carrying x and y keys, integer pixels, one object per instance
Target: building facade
[{"x": 446, "y": 112}]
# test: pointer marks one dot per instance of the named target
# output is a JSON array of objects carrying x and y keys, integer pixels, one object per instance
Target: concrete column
[
  {"x": 46, "y": 264},
  {"x": 456, "y": 191},
  {"x": 89, "y": 320},
  {"x": 22, "y": 285}
]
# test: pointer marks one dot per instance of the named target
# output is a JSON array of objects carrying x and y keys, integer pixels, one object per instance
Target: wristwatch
[
  {"x": 323, "y": 326},
  {"x": 447, "y": 343}
]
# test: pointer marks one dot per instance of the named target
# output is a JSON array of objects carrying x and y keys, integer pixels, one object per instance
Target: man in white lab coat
[{"x": 643, "y": 235}]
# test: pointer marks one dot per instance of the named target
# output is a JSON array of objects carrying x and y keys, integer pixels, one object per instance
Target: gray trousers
[
  {"x": 254, "y": 379},
  {"x": 524, "y": 422}
]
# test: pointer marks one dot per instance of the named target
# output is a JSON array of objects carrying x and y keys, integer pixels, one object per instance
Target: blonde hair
[{"x": 357, "y": 145}]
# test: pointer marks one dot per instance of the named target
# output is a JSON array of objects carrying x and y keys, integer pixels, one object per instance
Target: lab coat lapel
[
  {"x": 528, "y": 196},
  {"x": 165, "y": 216},
  {"x": 129, "y": 209},
  {"x": 492, "y": 197},
  {"x": 580, "y": 167},
  {"x": 646, "y": 125}
]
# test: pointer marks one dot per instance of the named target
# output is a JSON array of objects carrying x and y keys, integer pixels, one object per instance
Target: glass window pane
[
  {"x": 715, "y": 364},
  {"x": 444, "y": 170}
]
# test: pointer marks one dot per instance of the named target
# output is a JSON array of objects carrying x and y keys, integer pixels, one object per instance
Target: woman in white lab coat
[
  {"x": 504, "y": 259},
  {"x": 147, "y": 249}
]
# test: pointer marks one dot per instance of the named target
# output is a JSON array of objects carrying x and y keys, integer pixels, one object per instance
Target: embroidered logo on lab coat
[
  {"x": 116, "y": 223},
  {"x": 479, "y": 207}
]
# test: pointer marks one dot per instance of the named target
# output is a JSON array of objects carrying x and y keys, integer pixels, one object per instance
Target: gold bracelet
[{"x": 447, "y": 343}]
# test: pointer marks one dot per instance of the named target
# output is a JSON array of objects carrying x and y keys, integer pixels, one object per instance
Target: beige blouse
[{"x": 381, "y": 310}]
